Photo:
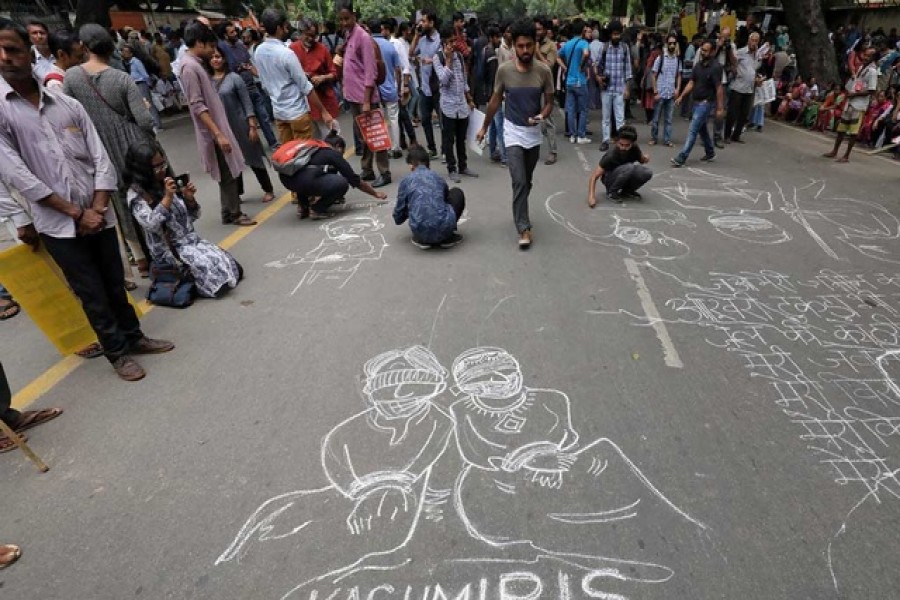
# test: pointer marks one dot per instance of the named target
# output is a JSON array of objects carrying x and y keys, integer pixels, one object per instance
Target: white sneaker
[
  {"x": 583, "y": 140},
  {"x": 572, "y": 140}
]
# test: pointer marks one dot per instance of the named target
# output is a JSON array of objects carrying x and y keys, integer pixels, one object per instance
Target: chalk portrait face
[
  {"x": 749, "y": 228},
  {"x": 400, "y": 383},
  {"x": 490, "y": 374},
  {"x": 350, "y": 228}
]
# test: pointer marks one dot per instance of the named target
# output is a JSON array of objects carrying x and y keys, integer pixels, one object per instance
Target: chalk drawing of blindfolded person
[
  {"x": 586, "y": 502},
  {"x": 348, "y": 242},
  {"x": 640, "y": 233},
  {"x": 378, "y": 463}
]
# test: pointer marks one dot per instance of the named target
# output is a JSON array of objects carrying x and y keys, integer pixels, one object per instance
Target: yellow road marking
[{"x": 50, "y": 378}]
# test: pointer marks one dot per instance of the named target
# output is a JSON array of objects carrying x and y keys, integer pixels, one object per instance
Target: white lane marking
[{"x": 670, "y": 354}]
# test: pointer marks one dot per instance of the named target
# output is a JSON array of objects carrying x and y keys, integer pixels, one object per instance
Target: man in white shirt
[
  {"x": 860, "y": 88},
  {"x": 405, "y": 83},
  {"x": 43, "y": 59}
]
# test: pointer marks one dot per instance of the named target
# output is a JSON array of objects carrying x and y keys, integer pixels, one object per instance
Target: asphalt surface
[{"x": 715, "y": 365}]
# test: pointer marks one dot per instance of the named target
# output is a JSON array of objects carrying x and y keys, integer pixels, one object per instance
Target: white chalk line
[{"x": 670, "y": 353}]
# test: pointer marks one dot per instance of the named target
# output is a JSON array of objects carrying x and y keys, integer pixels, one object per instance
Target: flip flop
[
  {"x": 11, "y": 305},
  {"x": 93, "y": 351},
  {"x": 33, "y": 418},
  {"x": 268, "y": 198},
  {"x": 130, "y": 286},
  {"x": 7, "y": 445},
  {"x": 243, "y": 221},
  {"x": 9, "y": 554}
]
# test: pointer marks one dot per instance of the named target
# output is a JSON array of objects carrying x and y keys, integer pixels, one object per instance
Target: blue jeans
[
  {"x": 699, "y": 125},
  {"x": 758, "y": 116},
  {"x": 616, "y": 101},
  {"x": 577, "y": 109},
  {"x": 262, "y": 115},
  {"x": 665, "y": 107},
  {"x": 4, "y": 294},
  {"x": 496, "y": 135}
]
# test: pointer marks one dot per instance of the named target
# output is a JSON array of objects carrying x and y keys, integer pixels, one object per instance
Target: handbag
[{"x": 171, "y": 285}]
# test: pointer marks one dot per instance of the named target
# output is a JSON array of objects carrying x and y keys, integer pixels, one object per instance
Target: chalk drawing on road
[
  {"x": 639, "y": 232},
  {"x": 510, "y": 440},
  {"x": 348, "y": 243},
  {"x": 828, "y": 347}
]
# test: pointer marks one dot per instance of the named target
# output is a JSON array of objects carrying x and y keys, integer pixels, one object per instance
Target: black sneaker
[
  {"x": 368, "y": 176},
  {"x": 451, "y": 241},
  {"x": 676, "y": 163},
  {"x": 719, "y": 144},
  {"x": 630, "y": 194},
  {"x": 604, "y": 146},
  {"x": 420, "y": 245},
  {"x": 614, "y": 197},
  {"x": 709, "y": 158}
]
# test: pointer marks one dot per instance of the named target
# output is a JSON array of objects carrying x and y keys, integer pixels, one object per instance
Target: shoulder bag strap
[{"x": 94, "y": 87}]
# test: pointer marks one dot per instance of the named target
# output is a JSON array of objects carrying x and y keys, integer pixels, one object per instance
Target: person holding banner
[
  {"x": 358, "y": 69},
  {"x": 68, "y": 188}
]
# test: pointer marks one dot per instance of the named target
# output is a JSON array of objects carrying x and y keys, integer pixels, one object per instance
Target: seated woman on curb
[{"x": 167, "y": 215}]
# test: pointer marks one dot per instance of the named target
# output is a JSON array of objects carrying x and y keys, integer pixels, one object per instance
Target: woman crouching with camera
[{"x": 167, "y": 213}]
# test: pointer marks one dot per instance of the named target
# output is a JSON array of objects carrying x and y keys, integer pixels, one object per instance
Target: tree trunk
[
  {"x": 620, "y": 8},
  {"x": 651, "y": 8},
  {"x": 809, "y": 36},
  {"x": 93, "y": 11}
]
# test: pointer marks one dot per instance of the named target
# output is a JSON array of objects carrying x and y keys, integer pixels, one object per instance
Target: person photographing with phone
[{"x": 166, "y": 208}]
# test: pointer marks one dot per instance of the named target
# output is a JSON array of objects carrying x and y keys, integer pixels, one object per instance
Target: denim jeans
[
  {"x": 665, "y": 108},
  {"x": 615, "y": 101},
  {"x": 262, "y": 115},
  {"x": 577, "y": 109},
  {"x": 758, "y": 116},
  {"x": 496, "y": 135},
  {"x": 699, "y": 126},
  {"x": 4, "y": 293}
]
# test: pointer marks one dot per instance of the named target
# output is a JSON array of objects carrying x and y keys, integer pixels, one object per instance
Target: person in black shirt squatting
[
  {"x": 622, "y": 169},
  {"x": 325, "y": 180}
]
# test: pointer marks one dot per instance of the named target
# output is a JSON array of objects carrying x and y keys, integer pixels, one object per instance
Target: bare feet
[
  {"x": 843, "y": 159},
  {"x": 830, "y": 154}
]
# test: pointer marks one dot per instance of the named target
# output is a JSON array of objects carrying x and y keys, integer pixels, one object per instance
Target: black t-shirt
[
  {"x": 615, "y": 158},
  {"x": 706, "y": 79}
]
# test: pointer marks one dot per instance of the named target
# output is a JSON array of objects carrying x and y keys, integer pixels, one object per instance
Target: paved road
[{"x": 708, "y": 405}]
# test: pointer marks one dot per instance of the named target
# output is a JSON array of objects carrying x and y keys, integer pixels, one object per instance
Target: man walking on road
[
  {"x": 705, "y": 88},
  {"x": 359, "y": 75},
  {"x": 285, "y": 82},
  {"x": 50, "y": 152},
  {"x": 740, "y": 96},
  {"x": 527, "y": 87}
]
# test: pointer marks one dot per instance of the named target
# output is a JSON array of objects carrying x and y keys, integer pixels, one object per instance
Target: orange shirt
[{"x": 317, "y": 61}]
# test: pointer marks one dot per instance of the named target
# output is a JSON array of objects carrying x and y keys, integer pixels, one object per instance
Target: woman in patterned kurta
[{"x": 167, "y": 216}]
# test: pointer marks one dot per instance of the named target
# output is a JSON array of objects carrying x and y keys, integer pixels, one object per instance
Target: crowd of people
[{"x": 84, "y": 175}]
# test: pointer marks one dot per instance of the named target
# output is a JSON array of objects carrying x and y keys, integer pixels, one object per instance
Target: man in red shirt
[{"x": 317, "y": 64}]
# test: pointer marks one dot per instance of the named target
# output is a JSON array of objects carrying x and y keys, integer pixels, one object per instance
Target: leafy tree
[{"x": 809, "y": 36}]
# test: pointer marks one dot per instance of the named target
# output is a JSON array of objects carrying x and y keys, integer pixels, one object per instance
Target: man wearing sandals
[
  {"x": 8, "y": 307},
  {"x": 19, "y": 421},
  {"x": 67, "y": 182}
]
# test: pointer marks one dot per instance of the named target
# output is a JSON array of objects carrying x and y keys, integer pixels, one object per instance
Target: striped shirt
[
  {"x": 667, "y": 76},
  {"x": 453, "y": 86},
  {"x": 617, "y": 67}
]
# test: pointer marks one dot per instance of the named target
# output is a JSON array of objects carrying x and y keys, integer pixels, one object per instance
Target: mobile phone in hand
[{"x": 182, "y": 180}]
